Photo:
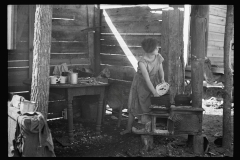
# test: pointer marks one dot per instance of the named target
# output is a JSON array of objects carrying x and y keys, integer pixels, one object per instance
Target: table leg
[
  {"x": 70, "y": 119},
  {"x": 99, "y": 114}
]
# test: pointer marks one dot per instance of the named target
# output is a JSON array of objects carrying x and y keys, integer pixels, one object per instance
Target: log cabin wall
[
  {"x": 71, "y": 43},
  {"x": 133, "y": 24},
  {"x": 18, "y": 59},
  {"x": 216, "y": 31}
]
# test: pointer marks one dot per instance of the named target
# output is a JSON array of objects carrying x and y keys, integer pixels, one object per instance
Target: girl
[{"x": 149, "y": 74}]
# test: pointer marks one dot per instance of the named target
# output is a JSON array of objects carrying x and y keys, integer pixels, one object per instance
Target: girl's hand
[
  {"x": 163, "y": 80},
  {"x": 155, "y": 94}
]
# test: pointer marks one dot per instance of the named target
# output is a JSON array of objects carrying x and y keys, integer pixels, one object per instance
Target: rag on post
[
  {"x": 16, "y": 101},
  {"x": 59, "y": 69}
]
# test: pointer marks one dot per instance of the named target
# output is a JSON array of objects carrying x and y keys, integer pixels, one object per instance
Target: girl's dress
[{"x": 139, "y": 96}]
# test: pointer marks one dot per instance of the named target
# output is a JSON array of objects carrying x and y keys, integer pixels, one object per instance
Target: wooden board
[
  {"x": 18, "y": 88},
  {"x": 18, "y": 63},
  {"x": 15, "y": 55},
  {"x": 120, "y": 72},
  {"x": 130, "y": 40},
  {"x": 68, "y": 33},
  {"x": 134, "y": 27},
  {"x": 117, "y": 60},
  {"x": 137, "y": 51},
  {"x": 216, "y": 28},
  {"x": 223, "y": 7},
  {"x": 69, "y": 47},
  {"x": 215, "y": 36},
  {"x": 70, "y": 60},
  {"x": 129, "y": 11},
  {"x": 16, "y": 76},
  {"x": 215, "y": 43},
  {"x": 70, "y": 67},
  {"x": 132, "y": 14},
  {"x": 217, "y": 20},
  {"x": 217, "y": 11}
]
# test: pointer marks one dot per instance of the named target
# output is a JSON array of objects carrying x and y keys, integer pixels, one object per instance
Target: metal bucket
[{"x": 73, "y": 78}]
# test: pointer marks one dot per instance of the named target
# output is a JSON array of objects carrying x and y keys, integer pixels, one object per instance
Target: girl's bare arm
[
  {"x": 147, "y": 79},
  {"x": 162, "y": 73}
]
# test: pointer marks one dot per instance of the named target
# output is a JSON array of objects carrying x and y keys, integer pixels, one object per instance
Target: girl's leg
[{"x": 129, "y": 125}]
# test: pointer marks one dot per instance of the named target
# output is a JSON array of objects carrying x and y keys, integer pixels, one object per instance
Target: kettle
[{"x": 72, "y": 78}]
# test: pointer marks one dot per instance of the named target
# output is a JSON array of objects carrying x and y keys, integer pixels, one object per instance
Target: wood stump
[{"x": 147, "y": 141}]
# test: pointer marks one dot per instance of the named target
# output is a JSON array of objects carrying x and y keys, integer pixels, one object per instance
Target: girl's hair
[{"x": 149, "y": 45}]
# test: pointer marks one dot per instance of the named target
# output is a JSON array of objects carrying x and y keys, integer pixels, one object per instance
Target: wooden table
[{"x": 72, "y": 90}]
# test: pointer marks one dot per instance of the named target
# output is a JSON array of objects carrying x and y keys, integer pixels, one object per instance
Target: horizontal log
[
  {"x": 73, "y": 8},
  {"x": 130, "y": 40},
  {"x": 120, "y": 72},
  {"x": 16, "y": 76},
  {"x": 216, "y": 28},
  {"x": 18, "y": 63},
  {"x": 15, "y": 55},
  {"x": 217, "y": 11},
  {"x": 69, "y": 47},
  {"x": 141, "y": 15},
  {"x": 69, "y": 22},
  {"x": 117, "y": 12},
  {"x": 215, "y": 36},
  {"x": 70, "y": 66},
  {"x": 134, "y": 27},
  {"x": 70, "y": 60},
  {"x": 117, "y": 60},
  {"x": 66, "y": 33},
  {"x": 136, "y": 51},
  {"x": 134, "y": 34},
  {"x": 21, "y": 88},
  {"x": 78, "y": 13},
  {"x": 217, "y": 20}
]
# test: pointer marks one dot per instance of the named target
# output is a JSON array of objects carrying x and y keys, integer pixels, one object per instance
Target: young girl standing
[{"x": 149, "y": 74}]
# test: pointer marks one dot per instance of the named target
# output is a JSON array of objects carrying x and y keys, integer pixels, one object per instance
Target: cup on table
[
  {"x": 63, "y": 79},
  {"x": 54, "y": 79}
]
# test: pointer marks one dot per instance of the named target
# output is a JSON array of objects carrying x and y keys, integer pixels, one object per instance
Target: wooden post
[
  {"x": 41, "y": 58},
  {"x": 97, "y": 38},
  {"x": 32, "y": 9},
  {"x": 228, "y": 85},
  {"x": 199, "y": 15},
  {"x": 91, "y": 24},
  {"x": 172, "y": 50}
]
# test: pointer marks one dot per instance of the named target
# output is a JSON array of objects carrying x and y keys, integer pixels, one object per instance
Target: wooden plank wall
[
  {"x": 18, "y": 62},
  {"x": 70, "y": 44},
  {"x": 134, "y": 24},
  {"x": 217, "y": 21}
]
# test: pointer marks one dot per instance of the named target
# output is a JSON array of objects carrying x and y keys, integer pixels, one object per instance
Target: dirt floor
[{"x": 111, "y": 144}]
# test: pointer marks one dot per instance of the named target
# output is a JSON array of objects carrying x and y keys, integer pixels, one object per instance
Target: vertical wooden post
[
  {"x": 172, "y": 50},
  {"x": 91, "y": 24},
  {"x": 199, "y": 15},
  {"x": 97, "y": 38},
  {"x": 165, "y": 42},
  {"x": 228, "y": 84}
]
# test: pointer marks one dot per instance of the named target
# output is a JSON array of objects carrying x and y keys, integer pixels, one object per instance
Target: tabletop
[{"x": 67, "y": 85}]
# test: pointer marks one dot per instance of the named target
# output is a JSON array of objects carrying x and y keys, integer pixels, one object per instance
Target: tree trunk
[
  {"x": 228, "y": 85},
  {"x": 41, "y": 57}
]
